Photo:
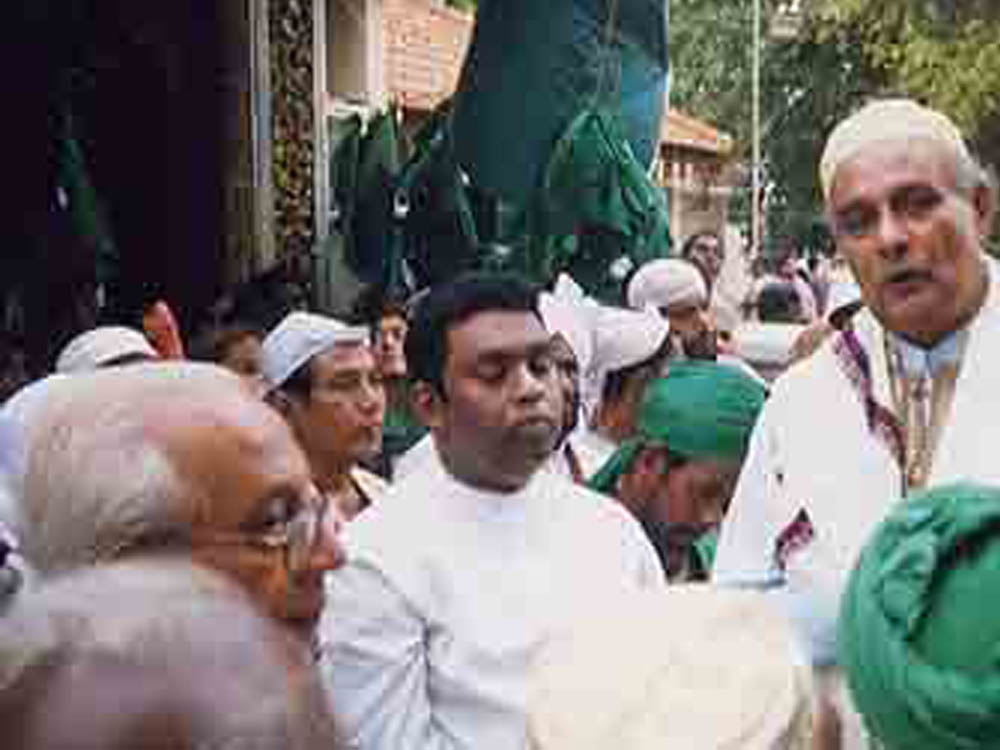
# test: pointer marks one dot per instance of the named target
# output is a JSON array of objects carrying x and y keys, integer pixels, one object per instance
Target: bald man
[
  {"x": 132, "y": 655},
  {"x": 184, "y": 459}
]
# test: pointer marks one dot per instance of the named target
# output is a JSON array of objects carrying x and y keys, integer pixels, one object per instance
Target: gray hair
[
  {"x": 211, "y": 662},
  {"x": 98, "y": 480}
]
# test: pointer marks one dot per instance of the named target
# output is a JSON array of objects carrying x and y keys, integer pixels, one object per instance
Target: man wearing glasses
[
  {"x": 322, "y": 376},
  {"x": 178, "y": 459},
  {"x": 467, "y": 566}
]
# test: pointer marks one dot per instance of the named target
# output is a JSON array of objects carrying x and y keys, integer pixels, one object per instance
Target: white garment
[
  {"x": 593, "y": 450},
  {"x": 449, "y": 591},
  {"x": 414, "y": 458},
  {"x": 812, "y": 450}
]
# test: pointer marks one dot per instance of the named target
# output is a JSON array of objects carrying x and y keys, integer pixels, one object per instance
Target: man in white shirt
[
  {"x": 903, "y": 397},
  {"x": 322, "y": 376},
  {"x": 468, "y": 566}
]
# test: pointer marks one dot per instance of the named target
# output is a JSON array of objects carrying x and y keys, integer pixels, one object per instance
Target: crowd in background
[{"x": 717, "y": 515}]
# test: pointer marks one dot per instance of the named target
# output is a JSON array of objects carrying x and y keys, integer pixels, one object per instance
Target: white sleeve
[
  {"x": 649, "y": 569},
  {"x": 757, "y": 514},
  {"x": 373, "y": 663}
]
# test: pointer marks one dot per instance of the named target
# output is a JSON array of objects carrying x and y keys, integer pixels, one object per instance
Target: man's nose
[
  {"x": 892, "y": 233},
  {"x": 372, "y": 395}
]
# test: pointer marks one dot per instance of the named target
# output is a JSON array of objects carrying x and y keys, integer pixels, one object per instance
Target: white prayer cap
[
  {"x": 886, "y": 120},
  {"x": 101, "y": 346},
  {"x": 620, "y": 338},
  {"x": 299, "y": 337},
  {"x": 666, "y": 282},
  {"x": 690, "y": 667},
  {"x": 842, "y": 293},
  {"x": 568, "y": 312}
]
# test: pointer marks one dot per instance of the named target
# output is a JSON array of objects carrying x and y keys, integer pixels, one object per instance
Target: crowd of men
[{"x": 498, "y": 517}]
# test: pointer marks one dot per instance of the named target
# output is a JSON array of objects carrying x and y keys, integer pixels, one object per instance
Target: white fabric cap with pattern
[
  {"x": 690, "y": 667},
  {"x": 886, "y": 120},
  {"x": 299, "y": 337},
  {"x": 567, "y": 311},
  {"x": 666, "y": 282},
  {"x": 621, "y": 338},
  {"x": 100, "y": 346}
]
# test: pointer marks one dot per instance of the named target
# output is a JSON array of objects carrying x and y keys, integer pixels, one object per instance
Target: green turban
[
  {"x": 699, "y": 410},
  {"x": 919, "y": 630}
]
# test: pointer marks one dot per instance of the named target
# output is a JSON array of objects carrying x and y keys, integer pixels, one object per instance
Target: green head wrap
[
  {"x": 699, "y": 410},
  {"x": 919, "y": 630}
]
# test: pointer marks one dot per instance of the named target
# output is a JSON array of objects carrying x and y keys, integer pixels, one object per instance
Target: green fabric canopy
[
  {"x": 919, "y": 631},
  {"x": 699, "y": 410}
]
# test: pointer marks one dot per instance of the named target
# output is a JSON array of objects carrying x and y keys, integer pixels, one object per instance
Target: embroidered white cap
[
  {"x": 884, "y": 120},
  {"x": 666, "y": 282},
  {"x": 102, "y": 346},
  {"x": 299, "y": 337},
  {"x": 690, "y": 667}
]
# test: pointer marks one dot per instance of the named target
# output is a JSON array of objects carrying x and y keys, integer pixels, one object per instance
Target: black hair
[
  {"x": 299, "y": 383},
  {"x": 374, "y": 303},
  {"x": 616, "y": 380},
  {"x": 690, "y": 241},
  {"x": 779, "y": 303},
  {"x": 451, "y": 304},
  {"x": 213, "y": 343}
]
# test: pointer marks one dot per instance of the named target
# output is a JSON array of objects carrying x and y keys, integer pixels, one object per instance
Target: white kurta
[
  {"x": 812, "y": 450},
  {"x": 448, "y": 592}
]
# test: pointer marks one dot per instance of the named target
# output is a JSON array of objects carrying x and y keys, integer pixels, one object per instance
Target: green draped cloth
[
  {"x": 919, "y": 630},
  {"x": 700, "y": 410}
]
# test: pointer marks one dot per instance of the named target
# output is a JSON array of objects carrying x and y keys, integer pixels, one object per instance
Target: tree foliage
[{"x": 945, "y": 53}]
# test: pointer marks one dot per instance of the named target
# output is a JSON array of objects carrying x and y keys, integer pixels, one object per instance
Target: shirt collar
[{"x": 917, "y": 361}]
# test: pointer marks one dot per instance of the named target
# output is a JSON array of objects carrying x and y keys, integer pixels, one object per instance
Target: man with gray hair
[
  {"x": 132, "y": 655},
  {"x": 178, "y": 458},
  {"x": 903, "y": 397}
]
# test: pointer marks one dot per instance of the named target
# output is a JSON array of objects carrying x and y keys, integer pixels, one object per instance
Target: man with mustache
[
  {"x": 466, "y": 567},
  {"x": 903, "y": 397},
  {"x": 322, "y": 376}
]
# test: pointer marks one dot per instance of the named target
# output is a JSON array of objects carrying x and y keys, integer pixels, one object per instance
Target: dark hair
[
  {"x": 779, "y": 303},
  {"x": 299, "y": 383},
  {"x": 689, "y": 243},
  {"x": 212, "y": 344},
  {"x": 373, "y": 304},
  {"x": 451, "y": 304},
  {"x": 616, "y": 380}
]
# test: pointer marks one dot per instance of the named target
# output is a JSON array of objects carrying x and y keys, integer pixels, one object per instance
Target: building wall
[{"x": 425, "y": 44}]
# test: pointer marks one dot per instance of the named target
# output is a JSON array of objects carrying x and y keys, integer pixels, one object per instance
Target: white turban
[
  {"x": 100, "y": 346},
  {"x": 886, "y": 120},
  {"x": 567, "y": 312},
  {"x": 666, "y": 282},
  {"x": 690, "y": 667},
  {"x": 299, "y": 337},
  {"x": 621, "y": 338}
]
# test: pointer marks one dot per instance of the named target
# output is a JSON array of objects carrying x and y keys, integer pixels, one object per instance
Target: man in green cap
[
  {"x": 677, "y": 474},
  {"x": 917, "y": 636}
]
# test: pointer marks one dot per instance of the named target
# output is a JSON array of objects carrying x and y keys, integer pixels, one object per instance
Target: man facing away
[
  {"x": 903, "y": 397},
  {"x": 464, "y": 569}
]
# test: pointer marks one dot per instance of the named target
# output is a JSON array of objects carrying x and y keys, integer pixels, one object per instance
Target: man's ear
[
  {"x": 279, "y": 401},
  {"x": 427, "y": 404},
  {"x": 984, "y": 205},
  {"x": 639, "y": 484},
  {"x": 651, "y": 461}
]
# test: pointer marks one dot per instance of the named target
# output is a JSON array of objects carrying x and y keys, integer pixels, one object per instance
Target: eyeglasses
[{"x": 297, "y": 536}]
